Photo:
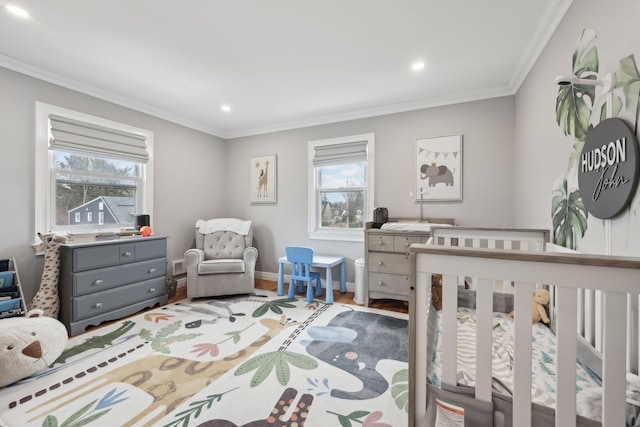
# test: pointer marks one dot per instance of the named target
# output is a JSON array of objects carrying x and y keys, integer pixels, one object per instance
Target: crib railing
[
  {"x": 493, "y": 238},
  {"x": 535, "y": 240},
  {"x": 590, "y": 318},
  {"x": 614, "y": 277},
  {"x": 589, "y": 312}
]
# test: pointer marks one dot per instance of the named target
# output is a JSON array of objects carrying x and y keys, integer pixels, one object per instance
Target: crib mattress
[{"x": 543, "y": 381}]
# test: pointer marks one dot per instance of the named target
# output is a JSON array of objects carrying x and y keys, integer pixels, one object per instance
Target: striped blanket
[{"x": 543, "y": 383}]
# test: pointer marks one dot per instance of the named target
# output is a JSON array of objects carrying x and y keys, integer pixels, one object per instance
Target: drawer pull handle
[
  {"x": 381, "y": 243},
  {"x": 379, "y": 262},
  {"x": 127, "y": 254},
  {"x": 152, "y": 270},
  {"x": 381, "y": 283},
  {"x": 406, "y": 243},
  {"x": 98, "y": 282},
  {"x": 98, "y": 305},
  {"x": 152, "y": 290}
]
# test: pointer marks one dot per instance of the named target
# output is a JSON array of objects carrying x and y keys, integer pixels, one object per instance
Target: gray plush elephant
[
  {"x": 355, "y": 342},
  {"x": 436, "y": 174}
]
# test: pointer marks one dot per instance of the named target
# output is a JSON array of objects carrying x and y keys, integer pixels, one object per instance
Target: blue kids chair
[{"x": 301, "y": 259}]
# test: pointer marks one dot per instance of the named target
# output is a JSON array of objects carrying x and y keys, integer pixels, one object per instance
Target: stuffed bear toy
[
  {"x": 436, "y": 291},
  {"x": 29, "y": 344},
  {"x": 541, "y": 298}
]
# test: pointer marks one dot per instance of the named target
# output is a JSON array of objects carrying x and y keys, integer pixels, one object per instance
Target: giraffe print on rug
[
  {"x": 47, "y": 298},
  {"x": 169, "y": 380},
  {"x": 277, "y": 416}
]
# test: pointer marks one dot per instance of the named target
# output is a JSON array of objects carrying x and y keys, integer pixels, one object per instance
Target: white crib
[{"x": 521, "y": 261}]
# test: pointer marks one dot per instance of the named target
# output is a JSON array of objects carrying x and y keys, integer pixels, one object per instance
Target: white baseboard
[
  {"x": 182, "y": 282},
  {"x": 265, "y": 275}
]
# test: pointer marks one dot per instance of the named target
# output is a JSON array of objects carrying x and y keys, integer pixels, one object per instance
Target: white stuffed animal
[{"x": 29, "y": 344}]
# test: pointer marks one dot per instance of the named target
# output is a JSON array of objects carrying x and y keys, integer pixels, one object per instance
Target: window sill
[{"x": 351, "y": 236}]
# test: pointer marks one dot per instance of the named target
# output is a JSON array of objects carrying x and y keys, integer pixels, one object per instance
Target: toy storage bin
[{"x": 11, "y": 298}]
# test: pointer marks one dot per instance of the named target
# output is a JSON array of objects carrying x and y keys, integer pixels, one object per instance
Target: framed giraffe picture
[{"x": 264, "y": 179}]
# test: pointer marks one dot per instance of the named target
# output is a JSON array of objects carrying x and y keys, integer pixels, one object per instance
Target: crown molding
[
  {"x": 56, "y": 79},
  {"x": 551, "y": 18}
]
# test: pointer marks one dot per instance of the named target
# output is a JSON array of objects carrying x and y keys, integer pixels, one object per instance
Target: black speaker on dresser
[{"x": 141, "y": 221}]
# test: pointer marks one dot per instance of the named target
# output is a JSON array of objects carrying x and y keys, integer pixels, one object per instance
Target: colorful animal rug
[{"x": 245, "y": 361}]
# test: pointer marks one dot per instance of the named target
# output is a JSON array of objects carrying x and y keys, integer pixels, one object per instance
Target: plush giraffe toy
[{"x": 47, "y": 298}]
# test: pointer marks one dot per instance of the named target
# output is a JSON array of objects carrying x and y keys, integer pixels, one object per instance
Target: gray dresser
[
  {"x": 387, "y": 260},
  {"x": 108, "y": 280}
]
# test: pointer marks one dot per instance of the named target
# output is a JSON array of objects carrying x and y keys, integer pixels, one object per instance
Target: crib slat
[
  {"x": 590, "y": 316},
  {"x": 484, "y": 333},
  {"x": 419, "y": 338},
  {"x": 522, "y": 353},
  {"x": 632, "y": 333},
  {"x": 449, "y": 329},
  {"x": 581, "y": 313},
  {"x": 636, "y": 349},
  {"x": 598, "y": 320},
  {"x": 613, "y": 358},
  {"x": 566, "y": 325}
]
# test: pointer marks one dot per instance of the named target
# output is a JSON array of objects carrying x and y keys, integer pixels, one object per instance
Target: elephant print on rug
[{"x": 355, "y": 342}]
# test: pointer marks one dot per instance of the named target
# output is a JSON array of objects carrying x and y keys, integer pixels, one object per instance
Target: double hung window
[
  {"x": 340, "y": 187},
  {"x": 91, "y": 174}
]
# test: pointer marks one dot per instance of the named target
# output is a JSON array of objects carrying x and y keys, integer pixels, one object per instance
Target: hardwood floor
[{"x": 338, "y": 297}]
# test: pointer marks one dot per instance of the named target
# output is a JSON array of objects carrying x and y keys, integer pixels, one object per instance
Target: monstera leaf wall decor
[{"x": 576, "y": 114}]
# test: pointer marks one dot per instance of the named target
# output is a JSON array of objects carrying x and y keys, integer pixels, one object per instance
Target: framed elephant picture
[
  {"x": 439, "y": 169},
  {"x": 263, "y": 179}
]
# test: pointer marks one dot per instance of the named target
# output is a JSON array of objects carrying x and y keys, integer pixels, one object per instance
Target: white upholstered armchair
[{"x": 223, "y": 261}]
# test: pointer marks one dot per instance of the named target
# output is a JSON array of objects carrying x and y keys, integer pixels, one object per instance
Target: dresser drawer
[
  {"x": 394, "y": 284},
  {"x": 99, "y": 303},
  {"x": 150, "y": 249},
  {"x": 380, "y": 243},
  {"x": 402, "y": 243},
  {"x": 106, "y": 278},
  {"x": 95, "y": 257},
  {"x": 389, "y": 263}
]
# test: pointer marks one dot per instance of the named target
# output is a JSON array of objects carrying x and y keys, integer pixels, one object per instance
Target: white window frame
[
  {"x": 313, "y": 208},
  {"x": 89, "y": 217},
  {"x": 43, "y": 202}
]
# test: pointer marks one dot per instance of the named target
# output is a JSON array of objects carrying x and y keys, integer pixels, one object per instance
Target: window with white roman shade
[
  {"x": 87, "y": 165},
  {"x": 340, "y": 187}
]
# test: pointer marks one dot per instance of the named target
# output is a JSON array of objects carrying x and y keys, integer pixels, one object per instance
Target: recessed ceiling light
[
  {"x": 225, "y": 108},
  {"x": 417, "y": 66},
  {"x": 18, "y": 11}
]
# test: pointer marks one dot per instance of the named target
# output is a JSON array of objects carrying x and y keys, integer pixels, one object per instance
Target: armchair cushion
[
  {"x": 217, "y": 266},
  {"x": 223, "y": 245}
]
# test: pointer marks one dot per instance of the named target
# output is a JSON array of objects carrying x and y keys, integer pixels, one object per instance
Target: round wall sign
[{"x": 608, "y": 168}]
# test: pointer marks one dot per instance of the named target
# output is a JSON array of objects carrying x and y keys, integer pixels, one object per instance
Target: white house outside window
[
  {"x": 340, "y": 187},
  {"x": 88, "y": 164}
]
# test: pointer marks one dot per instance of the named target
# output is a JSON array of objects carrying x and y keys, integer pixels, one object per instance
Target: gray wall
[
  {"x": 189, "y": 170},
  {"x": 541, "y": 149},
  {"x": 487, "y": 128}
]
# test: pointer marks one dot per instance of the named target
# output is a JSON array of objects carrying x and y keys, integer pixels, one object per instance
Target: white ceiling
[{"x": 279, "y": 64}]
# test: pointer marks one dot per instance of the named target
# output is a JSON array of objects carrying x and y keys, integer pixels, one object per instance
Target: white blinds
[
  {"x": 340, "y": 153},
  {"x": 89, "y": 139}
]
